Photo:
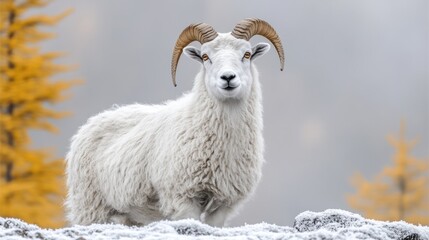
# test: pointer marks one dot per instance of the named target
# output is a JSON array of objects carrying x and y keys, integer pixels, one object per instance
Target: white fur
[{"x": 199, "y": 156}]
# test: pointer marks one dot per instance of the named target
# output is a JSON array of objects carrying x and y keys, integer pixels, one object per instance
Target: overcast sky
[{"x": 354, "y": 69}]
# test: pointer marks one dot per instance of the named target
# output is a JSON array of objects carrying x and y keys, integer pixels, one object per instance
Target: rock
[{"x": 329, "y": 224}]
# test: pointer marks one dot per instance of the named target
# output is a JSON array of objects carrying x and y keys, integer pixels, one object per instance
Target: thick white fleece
[{"x": 195, "y": 157}]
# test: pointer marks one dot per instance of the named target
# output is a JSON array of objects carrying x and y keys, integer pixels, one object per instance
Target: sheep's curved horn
[
  {"x": 250, "y": 27},
  {"x": 201, "y": 32}
]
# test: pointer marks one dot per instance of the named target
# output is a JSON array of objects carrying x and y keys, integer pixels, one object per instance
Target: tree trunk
[
  {"x": 402, "y": 191},
  {"x": 11, "y": 106}
]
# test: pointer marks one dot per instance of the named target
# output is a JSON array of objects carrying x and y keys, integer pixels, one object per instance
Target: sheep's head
[{"x": 227, "y": 57}]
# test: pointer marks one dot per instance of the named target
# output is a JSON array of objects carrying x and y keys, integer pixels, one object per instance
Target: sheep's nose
[{"x": 228, "y": 76}]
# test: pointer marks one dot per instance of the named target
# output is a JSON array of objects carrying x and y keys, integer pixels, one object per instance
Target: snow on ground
[{"x": 330, "y": 224}]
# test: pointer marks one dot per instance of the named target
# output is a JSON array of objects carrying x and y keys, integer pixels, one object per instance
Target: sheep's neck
[
  {"x": 230, "y": 111},
  {"x": 231, "y": 116}
]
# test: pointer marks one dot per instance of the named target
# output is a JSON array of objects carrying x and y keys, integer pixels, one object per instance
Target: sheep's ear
[
  {"x": 259, "y": 50},
  {"x": 193, "y": 53}
]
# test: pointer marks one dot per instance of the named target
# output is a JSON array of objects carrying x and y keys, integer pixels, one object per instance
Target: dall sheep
[{"x": 198, "y": 157}]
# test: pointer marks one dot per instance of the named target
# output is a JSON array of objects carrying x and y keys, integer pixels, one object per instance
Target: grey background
[{"x": 354, "y": 70}]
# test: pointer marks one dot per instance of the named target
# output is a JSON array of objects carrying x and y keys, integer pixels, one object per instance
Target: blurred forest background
[
  {"x": 31, "y": 181},
  {"x": 354, "y": 71}
]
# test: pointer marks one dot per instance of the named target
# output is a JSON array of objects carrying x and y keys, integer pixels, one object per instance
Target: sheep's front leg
[
  {"x": 216, "y": 218},
  {"x": 187, "y": 209}
]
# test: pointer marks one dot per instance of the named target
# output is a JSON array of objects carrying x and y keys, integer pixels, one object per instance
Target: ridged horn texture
[
  {"x": 250, "y": 27},
  {"x": 200, "y": 32}
]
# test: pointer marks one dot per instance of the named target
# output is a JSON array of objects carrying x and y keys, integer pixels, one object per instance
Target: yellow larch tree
[
  {"x": 31, "y": 181},
  {"x": 399, "y": 192}
]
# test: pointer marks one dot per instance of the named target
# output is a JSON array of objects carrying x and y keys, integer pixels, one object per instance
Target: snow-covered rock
[{"x": 330, "y": 224}]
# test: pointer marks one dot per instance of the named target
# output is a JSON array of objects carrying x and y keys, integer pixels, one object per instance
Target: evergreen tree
[
  {"x": 31, "y": 185},
  {"x": 399, "y": 192}
]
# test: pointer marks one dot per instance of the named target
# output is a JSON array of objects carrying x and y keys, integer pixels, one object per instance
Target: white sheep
[{"x": 199, "y": 156}]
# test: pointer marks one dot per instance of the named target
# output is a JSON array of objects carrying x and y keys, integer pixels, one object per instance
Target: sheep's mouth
[{"x": 229, "y": 88}]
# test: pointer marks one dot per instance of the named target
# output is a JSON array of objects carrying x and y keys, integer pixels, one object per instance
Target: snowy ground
[{"x": 330, "y": 224}]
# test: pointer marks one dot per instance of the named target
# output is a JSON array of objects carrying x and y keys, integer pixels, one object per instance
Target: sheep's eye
[
  {"x": 205, "y": 57},
  {"x": 247, "y": 55}
]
